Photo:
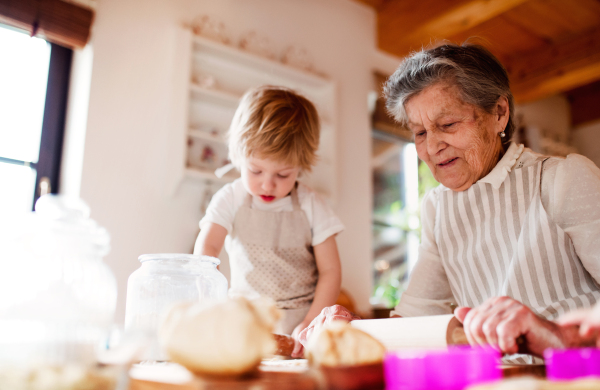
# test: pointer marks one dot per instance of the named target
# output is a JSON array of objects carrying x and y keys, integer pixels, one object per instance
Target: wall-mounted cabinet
[{"x": 209, "y": 80}]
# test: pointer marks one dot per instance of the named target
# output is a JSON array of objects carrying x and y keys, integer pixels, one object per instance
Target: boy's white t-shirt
[{"x": 226, "y": 202}]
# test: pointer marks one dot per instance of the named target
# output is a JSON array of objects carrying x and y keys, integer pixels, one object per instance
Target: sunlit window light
[{"x": 23, "y": 80}]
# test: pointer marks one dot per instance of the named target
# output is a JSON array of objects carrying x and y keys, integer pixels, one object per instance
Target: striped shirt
[{"x": 496, "y": 238}]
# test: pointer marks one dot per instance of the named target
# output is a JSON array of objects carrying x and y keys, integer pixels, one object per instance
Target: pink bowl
[{"x": 454, "y": 369}]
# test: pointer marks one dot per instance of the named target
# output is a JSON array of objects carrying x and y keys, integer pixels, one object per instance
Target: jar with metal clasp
[{"x": 164, "y": 280}]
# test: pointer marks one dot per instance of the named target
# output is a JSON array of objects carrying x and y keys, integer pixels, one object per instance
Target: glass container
[
  {"x": 58, "y": 297},
  {"x": 164, "y": 280}
]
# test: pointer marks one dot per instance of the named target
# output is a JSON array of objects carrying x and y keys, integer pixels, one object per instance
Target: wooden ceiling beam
[
  {"x": 398, "y": 40},
  {"x": 556, "y": 68}
]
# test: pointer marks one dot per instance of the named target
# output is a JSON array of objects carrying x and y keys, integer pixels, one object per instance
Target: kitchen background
[{"x": 127, "y": 113}]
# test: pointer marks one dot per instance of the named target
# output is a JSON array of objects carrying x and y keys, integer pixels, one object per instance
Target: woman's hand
[
  {"x": 511, "y": 327},
  {"x": 588, "y": 321},
  {"x": 327, "y": 315}
]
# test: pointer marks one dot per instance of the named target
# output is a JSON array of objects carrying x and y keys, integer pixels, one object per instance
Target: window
[
  {"x": 34, "y": 78},
  {"x": 395, "y": 215},
  {"x": 400, "y": 182}
]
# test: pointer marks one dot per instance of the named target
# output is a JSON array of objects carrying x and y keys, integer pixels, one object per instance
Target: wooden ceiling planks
[
  {"x": 556, "y": 68},
  {"x": 397, "y": 19},
  {"x": 548, "y": 46},
  {"x": 503, "y": 37},
  {"x": 438, "y": 20},
  {"x": 554, "y": 20}
]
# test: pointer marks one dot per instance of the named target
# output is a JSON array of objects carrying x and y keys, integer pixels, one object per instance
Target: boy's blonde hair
[{"x": 275, "y": 123}]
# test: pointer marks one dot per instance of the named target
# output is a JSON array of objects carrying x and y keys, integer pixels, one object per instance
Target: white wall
[
  {"x": 586, "y": 139},
  {"x": 551, "y": 115},
  {"x": 124, "y": 168}
]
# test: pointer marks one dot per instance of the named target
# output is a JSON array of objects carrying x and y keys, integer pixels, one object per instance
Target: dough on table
[
  {"x": 225, "y": 338},
  {"x": 339, "y": 344}
]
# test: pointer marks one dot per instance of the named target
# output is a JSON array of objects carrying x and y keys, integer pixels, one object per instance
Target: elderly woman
[{"x": 511, "y": 233}]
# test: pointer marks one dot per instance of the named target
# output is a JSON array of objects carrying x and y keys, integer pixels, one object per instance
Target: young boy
[{"x": 279, "y": 234}]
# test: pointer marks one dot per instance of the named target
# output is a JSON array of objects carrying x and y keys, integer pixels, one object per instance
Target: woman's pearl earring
[{"x": 502, "y": 134}]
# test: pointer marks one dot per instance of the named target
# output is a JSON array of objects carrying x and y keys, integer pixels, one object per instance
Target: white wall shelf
[
  {"x": 205, "y": 136},
  {"x": 214, "y": 96},
  {"x": 249, "y": 60},
  {"x": 204, "y": 174},
  {"x": 205, "y": 113}
]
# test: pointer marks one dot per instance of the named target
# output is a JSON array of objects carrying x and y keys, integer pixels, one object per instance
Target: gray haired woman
[{"x": 513, "y": 234}]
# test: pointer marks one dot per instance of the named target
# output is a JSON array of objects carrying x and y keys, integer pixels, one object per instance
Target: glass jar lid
[{"x": 179, "y": 256}]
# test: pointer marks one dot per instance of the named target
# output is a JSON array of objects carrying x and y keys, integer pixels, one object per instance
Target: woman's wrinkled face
[{"x": 458, "y": 141}]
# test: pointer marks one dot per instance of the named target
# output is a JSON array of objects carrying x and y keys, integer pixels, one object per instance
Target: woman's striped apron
[{"x": 496, "y": 242}]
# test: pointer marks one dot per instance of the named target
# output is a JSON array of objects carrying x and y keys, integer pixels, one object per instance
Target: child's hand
[
  {"x": 328, "y": 315},
  {"x": 587, "y": 319},
  {"x": 298, "y": 347}
]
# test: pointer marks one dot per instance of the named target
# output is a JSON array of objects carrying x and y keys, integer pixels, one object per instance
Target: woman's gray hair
[{"x": 479, "y": 76}]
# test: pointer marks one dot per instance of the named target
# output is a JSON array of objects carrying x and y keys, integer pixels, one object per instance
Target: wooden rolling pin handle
[{"x": 455, "y": 334}]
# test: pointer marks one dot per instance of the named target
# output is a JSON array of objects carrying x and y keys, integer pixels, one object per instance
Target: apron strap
[
  {"x": 295, "y": 201},
  {"x": 538, "y": 185}
]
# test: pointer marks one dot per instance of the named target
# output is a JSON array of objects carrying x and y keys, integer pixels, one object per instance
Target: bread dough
[
  {"x": 339, "y": 344},
  {"x": 225, "y": 338}
]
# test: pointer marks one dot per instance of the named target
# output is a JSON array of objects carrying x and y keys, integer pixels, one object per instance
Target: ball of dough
[
  {"x": 226, "y": 338},
  {"x": 339, "y": 344}
]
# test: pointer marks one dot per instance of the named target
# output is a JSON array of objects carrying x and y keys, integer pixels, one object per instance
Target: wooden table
[{"x": 173, "y": 377}]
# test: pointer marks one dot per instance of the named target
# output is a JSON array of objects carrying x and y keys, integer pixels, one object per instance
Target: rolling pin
[
  {"x": 415, "y": 332},
  {"x": 397, "y": 333}
]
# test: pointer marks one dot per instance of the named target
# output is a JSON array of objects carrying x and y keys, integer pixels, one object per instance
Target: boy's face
[{"x": 267, "y": 179}]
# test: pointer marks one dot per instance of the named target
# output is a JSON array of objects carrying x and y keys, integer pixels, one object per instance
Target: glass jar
[
  {"x": 57, "y": 296},
  {"x": 166, "y": 279}
]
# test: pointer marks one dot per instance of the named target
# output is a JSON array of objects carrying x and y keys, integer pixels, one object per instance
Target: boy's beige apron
[{"x": 271, "y": 256}]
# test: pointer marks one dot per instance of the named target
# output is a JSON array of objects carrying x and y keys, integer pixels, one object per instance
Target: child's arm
[
  {"x": 328, "y": 285},
  {"x": 210, "y": 240}
]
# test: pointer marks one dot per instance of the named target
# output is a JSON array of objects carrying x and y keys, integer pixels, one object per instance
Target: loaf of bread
[
  {"x": 226, "y": 338},
  {"x": 340, "y": 344}
]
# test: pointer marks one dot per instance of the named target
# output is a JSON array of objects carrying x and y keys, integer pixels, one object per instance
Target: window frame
[{"x": 54, "y": 120}]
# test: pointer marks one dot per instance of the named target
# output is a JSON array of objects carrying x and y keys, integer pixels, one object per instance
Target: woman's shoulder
[
  {"x": 433, "y": 194},
  {"x": 430, "y": 202},
  {"x": 574, "y": 166}
]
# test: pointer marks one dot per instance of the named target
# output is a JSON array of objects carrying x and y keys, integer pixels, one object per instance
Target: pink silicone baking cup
[
  {"x": 454, "y": 369},
  {"x": 564, "y": 364}
]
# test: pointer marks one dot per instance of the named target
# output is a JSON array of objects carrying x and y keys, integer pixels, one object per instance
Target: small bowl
[
  {"x": 567, "y": 364},
  {"x": 452, "y": 369}
]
